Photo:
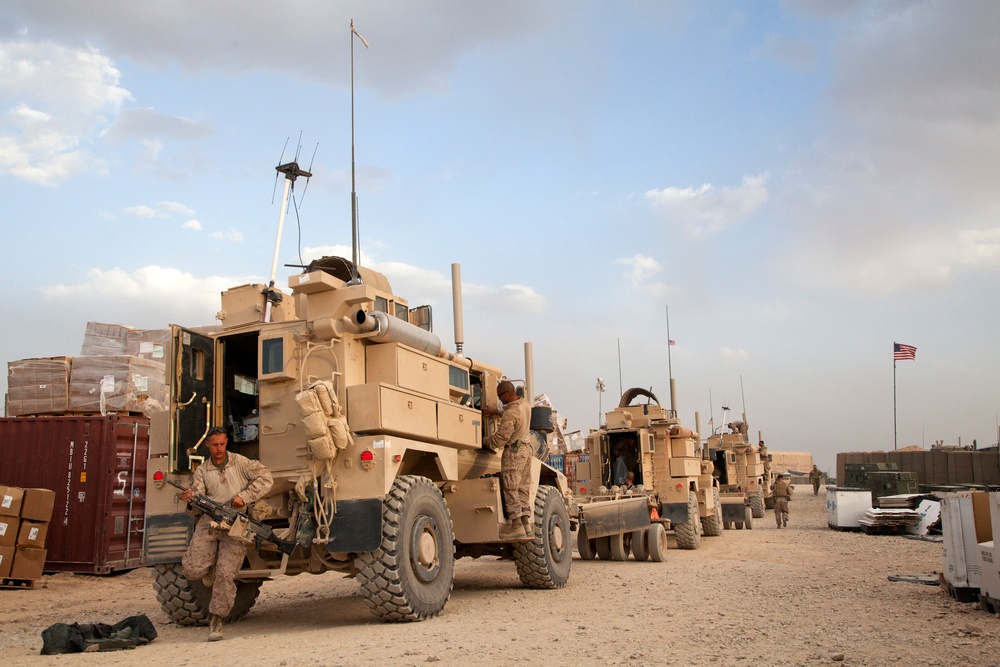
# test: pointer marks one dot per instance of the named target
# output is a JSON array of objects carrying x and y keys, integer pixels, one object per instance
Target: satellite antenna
[{"x": 292, "y": 171}]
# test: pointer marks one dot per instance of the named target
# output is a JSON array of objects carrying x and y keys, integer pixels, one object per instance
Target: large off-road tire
[
  {"x": 637, "y": 544},
  {"x": 586, "y": 546},
  {"x": 749, "y": 518},
  {"x": 618, "y": 550},
  {"x": 757, "y": 505},
  {"x": 656, "y": 543},
  {"x": 409, "y": 577},
  {"x": 544, "y": 561},
  {"x": 604, "y": 548},
  {"x": 687, "y": 534},
  {"x": 769, "y": 503},
  {"x": 713, "y": 524},
  {"x": 186, "y": 602}
]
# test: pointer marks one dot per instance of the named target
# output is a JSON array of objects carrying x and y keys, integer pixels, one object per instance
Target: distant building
[{"x": 792, "y": 462}]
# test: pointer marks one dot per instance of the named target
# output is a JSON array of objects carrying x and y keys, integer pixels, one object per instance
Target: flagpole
[{"x": 895, "y": 441}]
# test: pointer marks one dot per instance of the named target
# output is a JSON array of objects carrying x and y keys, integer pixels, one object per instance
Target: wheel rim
[
  {"x": 424, "y": 555},
  {"x": 556, "y": 537}
]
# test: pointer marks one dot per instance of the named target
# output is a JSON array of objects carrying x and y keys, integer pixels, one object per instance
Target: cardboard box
[
  {"x": 117, "y": 383},
  {"x": 10, "y": 500},
  {"x": 38, "y": 386},
  {"x": 102, "y": 339},
  {"x": 28, "y": 563},
  {"x": 32, "y": 534},
  {"x": 37, "y": 504},
  {"x": 6, "y": 559},
  {"x": 8, "y": 531}
]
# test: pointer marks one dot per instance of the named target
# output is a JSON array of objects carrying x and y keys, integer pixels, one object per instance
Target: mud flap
[
  {"x": 675, "y": 512},
  {"x": 356, "y": 527}
]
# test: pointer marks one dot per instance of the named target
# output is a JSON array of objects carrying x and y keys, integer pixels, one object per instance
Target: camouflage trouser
[
  {"x": 515, "y": 468},
  {"x": 781, "y": 510},
  {"x": 816, "y": 487},
  {"x": 214, "y": 548}
]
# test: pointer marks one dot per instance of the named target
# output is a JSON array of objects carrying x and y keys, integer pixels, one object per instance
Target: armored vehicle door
[{"x": 191, "y": 366}]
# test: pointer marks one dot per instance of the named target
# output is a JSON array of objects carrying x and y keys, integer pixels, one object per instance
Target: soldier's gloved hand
[{"x": 487, "y": 448}]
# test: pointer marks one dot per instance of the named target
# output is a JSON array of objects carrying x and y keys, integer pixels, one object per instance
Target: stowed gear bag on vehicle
[{"x": 84, "y": 638}]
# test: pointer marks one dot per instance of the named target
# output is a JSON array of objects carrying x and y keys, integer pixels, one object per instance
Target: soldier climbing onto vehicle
[{"x": 513, "y": 437}]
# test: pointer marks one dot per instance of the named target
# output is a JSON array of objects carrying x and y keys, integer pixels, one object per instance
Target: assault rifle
[{"x": 230, "y": 518}]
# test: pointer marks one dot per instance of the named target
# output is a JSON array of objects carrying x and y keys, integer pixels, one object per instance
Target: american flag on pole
[
  {"x": 671, "y": 342},
  {"x": 903, "y": 352}
]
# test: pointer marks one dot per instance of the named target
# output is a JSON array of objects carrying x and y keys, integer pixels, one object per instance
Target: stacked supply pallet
[{"x": 24, "y": 524}]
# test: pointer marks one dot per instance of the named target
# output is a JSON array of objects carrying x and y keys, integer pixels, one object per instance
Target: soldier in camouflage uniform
[
  {"x": 226, "y": 478},
  {"x": 782, "y": 494},
  {"x": 514, "y": 437},
  {"x": 816, "y": 477}
]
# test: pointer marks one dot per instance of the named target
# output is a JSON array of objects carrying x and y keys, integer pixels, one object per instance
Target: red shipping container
[{"x": 97, "y": 468}]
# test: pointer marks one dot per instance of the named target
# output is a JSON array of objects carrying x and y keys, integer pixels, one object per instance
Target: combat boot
[
  {"x": 513, "y": 532},
  {"x": 214, "y": 628},
  {"x": 528, "y": 524}
]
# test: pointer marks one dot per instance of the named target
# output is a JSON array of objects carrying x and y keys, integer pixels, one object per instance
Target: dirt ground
[{"x": 797, "y": 596}]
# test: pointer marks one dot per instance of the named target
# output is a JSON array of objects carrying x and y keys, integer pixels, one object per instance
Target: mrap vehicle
[
  {"x": 676, "y": 486},
  {"x": 373, "y": 433}
]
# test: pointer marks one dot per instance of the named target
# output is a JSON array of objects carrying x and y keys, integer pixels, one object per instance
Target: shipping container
[{"x": 97, "y": 468}]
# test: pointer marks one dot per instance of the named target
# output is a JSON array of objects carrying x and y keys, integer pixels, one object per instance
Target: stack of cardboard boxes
[{"x": 24, "y": 523}]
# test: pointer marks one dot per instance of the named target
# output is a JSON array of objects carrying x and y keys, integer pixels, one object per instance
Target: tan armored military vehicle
[
  {"x": 373, "y": 433},
  {"x": 741, "y": 476},
  {"x": 648, "y": 440}
]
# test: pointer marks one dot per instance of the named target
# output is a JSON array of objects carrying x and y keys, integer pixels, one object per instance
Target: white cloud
[
  {"x": 142, "y": 212},
  {"x": 641, "y": 271},
  {"x": 409, "y": 50},
  {"x": 707, "y": 209},
  {"x": 980, "y": 246},
  {"x": 146, "y": 297},
  {"x": 192, "y": 224},
  {"x": 57, "y": 98},
  {"x": 174, "y": 207},
  {"x": 145, "y": 123},
  {"x": 734, "y": 354},
  {"x": 900, "y": 193},
  {"x": 230, "y": 236},
  {"x": 434, "y": 287}
]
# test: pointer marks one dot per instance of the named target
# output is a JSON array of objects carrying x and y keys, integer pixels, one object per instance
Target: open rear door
[{"x": 192, "y": 368}]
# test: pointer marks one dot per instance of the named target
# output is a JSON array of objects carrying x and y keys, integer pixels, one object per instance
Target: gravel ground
[{"x": 798, "y": 596}]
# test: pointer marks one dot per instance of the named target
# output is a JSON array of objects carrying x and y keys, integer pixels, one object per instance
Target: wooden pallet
[
  {"x": 17, "y": 583},
  {"x": 959, "y": 593},
  {"x": 989, "y": 605}
]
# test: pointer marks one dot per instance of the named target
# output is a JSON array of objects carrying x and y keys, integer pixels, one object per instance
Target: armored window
[
  {"x": 402, "y": 312},
  {"x": 381, "y": 304}
]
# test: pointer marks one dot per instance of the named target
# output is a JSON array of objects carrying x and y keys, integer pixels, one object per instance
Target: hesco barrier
[
  {"x": 97, "y": 468},
  {"x": 935, "y": 467}
]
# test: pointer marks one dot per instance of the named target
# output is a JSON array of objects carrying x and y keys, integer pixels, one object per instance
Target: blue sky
[{"x": 802, "y": 183}]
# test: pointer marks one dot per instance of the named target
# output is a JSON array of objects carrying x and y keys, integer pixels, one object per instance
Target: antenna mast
[
  {"x": 291, "y": 171},
  {"x": 670, "y": 370},
  {"x": 355, "y": 242}
]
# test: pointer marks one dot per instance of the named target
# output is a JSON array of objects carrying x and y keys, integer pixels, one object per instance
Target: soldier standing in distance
[
  {"x": 226, "y": 478},
  {"x": 782, "y": 494},
  {"x": 816, "y": 477},
  {"x": 513, "y": 436}
]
